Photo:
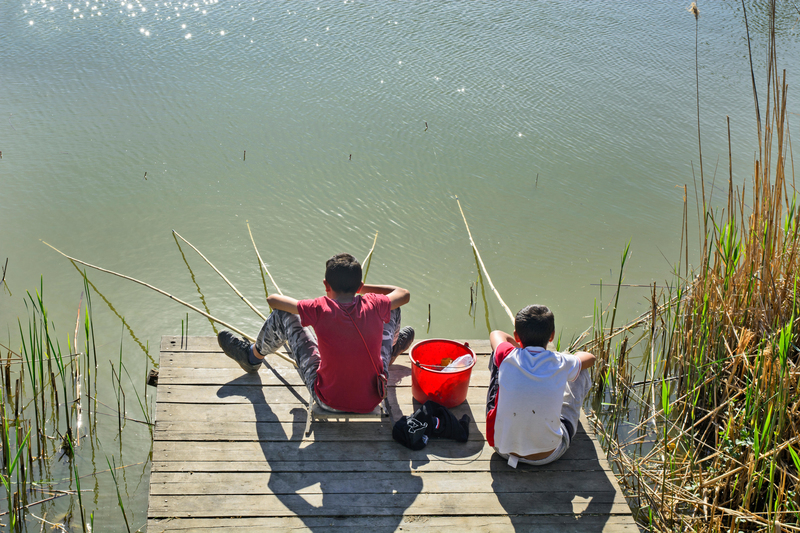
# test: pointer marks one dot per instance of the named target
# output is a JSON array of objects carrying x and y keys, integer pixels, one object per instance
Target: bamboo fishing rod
[
  {"x": 483, "y": 267},
  {"x": 261, "y": 261},
  {"x": 168, "y": 295},
  {"x": 368, "y": 259},
  {"x": 239, "y": 294}
]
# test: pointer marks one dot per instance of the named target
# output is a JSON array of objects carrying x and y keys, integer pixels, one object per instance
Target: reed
[
  {"x": 711, "y": 438},
  {"x": 40, "y": 416},
  {"x": 78, "y": 487},
  {"x": 112, "y": 469}
]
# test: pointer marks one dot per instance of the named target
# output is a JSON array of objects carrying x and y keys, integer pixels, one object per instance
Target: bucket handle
[
  {"x": 440, "y": 367},
  {"x": 429, "y": 367}
]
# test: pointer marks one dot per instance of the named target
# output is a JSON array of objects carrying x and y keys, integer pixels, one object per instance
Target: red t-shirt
[
  {"x": 346, "y": 380},
  {"x": 500, "y": 353}
]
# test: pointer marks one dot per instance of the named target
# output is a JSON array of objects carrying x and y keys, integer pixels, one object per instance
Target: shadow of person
[
  {"x": 350, "y": 471},
  {"x": 572, "y": 494}
]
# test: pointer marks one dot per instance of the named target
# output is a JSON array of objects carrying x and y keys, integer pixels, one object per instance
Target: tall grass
[{"x": 721, "y": 452}]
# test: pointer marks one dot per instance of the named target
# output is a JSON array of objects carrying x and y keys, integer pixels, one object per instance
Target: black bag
[
  {"x": 430, "y": 421},
  {"x": 411, "y": 432},
  {"x": 445, "y": 424}
]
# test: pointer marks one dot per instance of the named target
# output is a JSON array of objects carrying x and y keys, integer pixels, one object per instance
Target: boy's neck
[
  {"x": 531, "y": 346},
  {"x": 342, "y": 297}
]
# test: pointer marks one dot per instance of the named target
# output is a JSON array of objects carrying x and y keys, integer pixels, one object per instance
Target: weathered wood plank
[
  {"x": 474, "y": 524},
  {"x": 442, "y": 450},
  {"x": 500, "y": 481},
  {"x": 367, "y": 504},
  {"x": 219, "y": 413},
  {"x": 399, "y": 376},
  {"x": 172, "y": 343},
  {"x": 246, "y": 390},
  {"x": 421, "y": 465},
  {"x": 330, "y": 431}
]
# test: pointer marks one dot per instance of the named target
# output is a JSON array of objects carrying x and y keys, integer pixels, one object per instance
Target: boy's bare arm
[
  {"x": 282, "y": 303},
  {"x": 587, "y": 359},
  {"x": 397, "y": 296},
  {"x": 498, "y": 337}
]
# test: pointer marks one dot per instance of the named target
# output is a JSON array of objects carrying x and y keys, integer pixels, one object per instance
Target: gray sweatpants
[{"x": 281, "y": 327}]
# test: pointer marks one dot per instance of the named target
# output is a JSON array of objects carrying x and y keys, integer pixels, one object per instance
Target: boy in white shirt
[{"x": 535, "y": 395}]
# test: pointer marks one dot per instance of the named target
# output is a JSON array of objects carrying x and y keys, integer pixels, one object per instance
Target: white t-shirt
[{"x": 532, "y": 382}]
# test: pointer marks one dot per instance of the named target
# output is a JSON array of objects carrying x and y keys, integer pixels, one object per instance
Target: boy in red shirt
[
  {"x": 356, "y": 336},
  {"x": 535, "y": 394}
]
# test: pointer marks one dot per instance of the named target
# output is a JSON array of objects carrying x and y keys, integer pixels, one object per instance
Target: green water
[{"x": 566, "y": 129}]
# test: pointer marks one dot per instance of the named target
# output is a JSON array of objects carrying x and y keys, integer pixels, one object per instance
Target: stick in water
[
  {"x": 171, "y": 297},
  {"x": 478, "y": 254}
]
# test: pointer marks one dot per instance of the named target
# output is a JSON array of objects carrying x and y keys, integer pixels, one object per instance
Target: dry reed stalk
[
  {"x": 171, "y": 297},
  {"x": 727, "y": 457},
  {"x": 239, "y": 294},
  {"x": 483, "y": 266}
]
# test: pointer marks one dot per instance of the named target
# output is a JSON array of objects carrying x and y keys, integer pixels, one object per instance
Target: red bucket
[{"x": 429, "y": 382}]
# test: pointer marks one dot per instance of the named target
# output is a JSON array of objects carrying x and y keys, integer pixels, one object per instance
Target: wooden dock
[{"x": 230, "y": 454}]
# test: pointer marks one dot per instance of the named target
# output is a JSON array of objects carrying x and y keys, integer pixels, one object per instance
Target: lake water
[{"x": 566, "y": 129}]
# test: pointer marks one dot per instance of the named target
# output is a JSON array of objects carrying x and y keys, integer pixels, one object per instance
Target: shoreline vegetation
[
  {"x": 709, "y": 440},
  {"x": 51, "y": 412}
]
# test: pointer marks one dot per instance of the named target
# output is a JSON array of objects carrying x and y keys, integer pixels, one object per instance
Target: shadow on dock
[{"x": 287, "y": 483}]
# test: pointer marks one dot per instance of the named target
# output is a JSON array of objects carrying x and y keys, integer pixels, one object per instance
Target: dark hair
[
  {"x": 534, "y": 325},
  {"x": 343, "y": 273}
]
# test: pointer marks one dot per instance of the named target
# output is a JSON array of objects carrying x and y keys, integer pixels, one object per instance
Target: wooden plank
[
  {"x": 367, "y": 504},
  {"x": 442, "y": 450},
  {"x": 323, "y": 431},
  {"x": 421, "y": 465},
  {"x": 247, "y": 390},
  {"x": 173, "y": 343},
  {"x": 219, "y": 413},
  {"x": 378, "y": 524},
  {"x": 500, "y": 481},
  {"x": 399, "y": 376}
]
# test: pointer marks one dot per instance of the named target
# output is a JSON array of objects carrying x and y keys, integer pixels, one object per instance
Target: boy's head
[
  {"x": 343, "y": 273},
  {"x": 535, "y": 326}
]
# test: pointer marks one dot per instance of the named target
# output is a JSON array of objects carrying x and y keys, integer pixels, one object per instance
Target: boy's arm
[
  {"x": 587, "y": 359},
  {"x": 397, "y": 296},
  {"x": 282, "y": 303},
  {"x": 498, "y": 337}
]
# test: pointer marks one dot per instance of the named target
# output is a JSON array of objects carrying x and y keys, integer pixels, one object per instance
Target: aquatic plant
[
  {"x": 709, "y": 440},
  {"x": 41, "y": 423}
]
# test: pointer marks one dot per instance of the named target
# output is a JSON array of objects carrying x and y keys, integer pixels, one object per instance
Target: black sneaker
[
  {"x": 403, "y": 342},
  {"x": 238, "y": 350}
]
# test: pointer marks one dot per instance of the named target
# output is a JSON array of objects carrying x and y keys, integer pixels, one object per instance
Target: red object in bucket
[{"x": 428, "y": 383}]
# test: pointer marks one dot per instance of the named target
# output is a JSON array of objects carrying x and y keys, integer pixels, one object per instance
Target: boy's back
[
  {"x": 527, "y": 414},
  {"x": 349, "y": 335},
  {"x": 535, "y": 395}
]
